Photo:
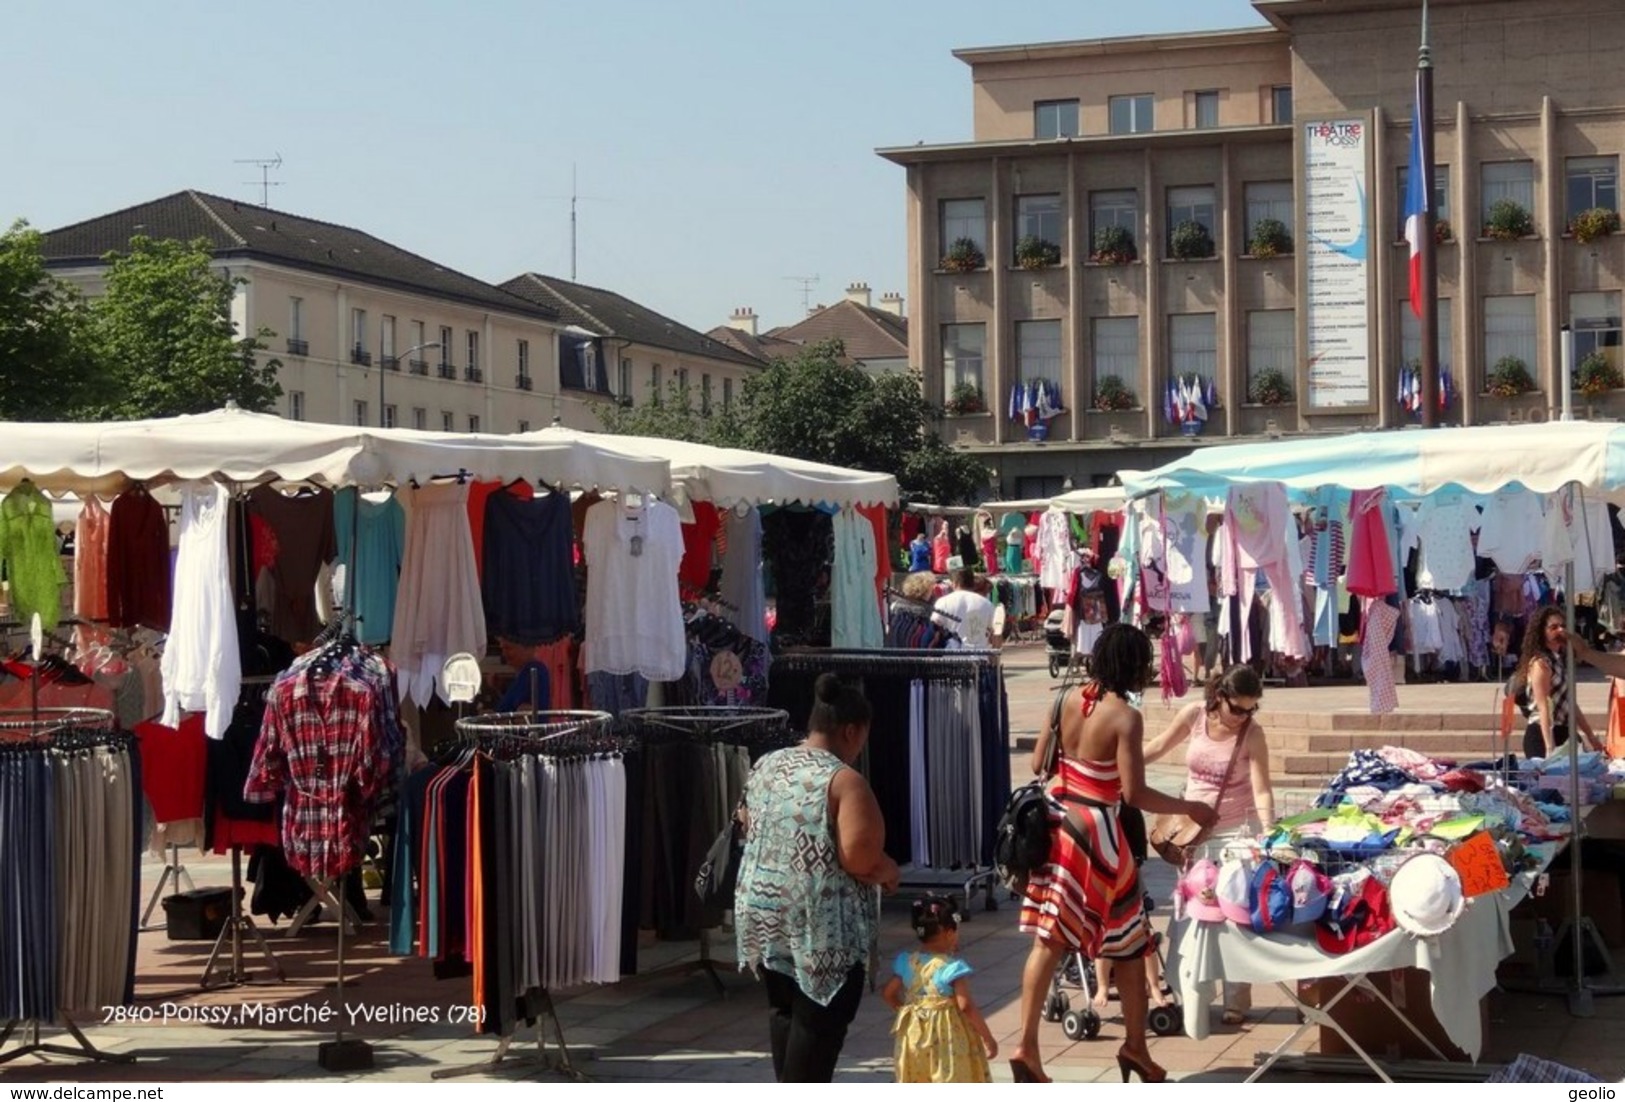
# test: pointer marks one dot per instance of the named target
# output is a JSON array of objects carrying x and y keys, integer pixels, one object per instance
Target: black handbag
[{"x": 719, "y": 873}]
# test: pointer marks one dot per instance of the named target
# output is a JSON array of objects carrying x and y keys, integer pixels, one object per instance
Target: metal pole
[
  {"x": 1567, "y": 381},
  {"x": 1428, "y": 248},
  {"x": 1580, "y": 1004}
]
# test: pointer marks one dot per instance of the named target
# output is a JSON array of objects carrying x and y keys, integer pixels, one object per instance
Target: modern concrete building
[
  {"x": 350, "y": 311},
  {"x": 1108, "y": 211}
]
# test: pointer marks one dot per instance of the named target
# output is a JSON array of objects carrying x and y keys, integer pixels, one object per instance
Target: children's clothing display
[
  {"x": 634, "y": 617},
  {"x": 201, "y": 665},
  {"x": 371, "y": 540},
  {"x": 934, "y": 1039},
  {"x": 439, "y": 610}
]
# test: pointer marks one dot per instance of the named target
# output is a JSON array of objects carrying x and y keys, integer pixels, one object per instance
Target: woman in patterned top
[
  {"x": 806, "y": 910},
  {"x": 1538, "y": 687}
]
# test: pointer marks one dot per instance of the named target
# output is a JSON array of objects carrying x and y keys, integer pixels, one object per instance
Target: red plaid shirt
[{"x": 321, "y": 745}]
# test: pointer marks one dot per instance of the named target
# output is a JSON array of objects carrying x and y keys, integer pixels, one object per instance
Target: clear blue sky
[{"x": 719, "y": 147}]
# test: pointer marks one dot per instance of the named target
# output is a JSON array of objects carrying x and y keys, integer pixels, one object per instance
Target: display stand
[
  {"x": 173, "y": 868},
  {"x": 341, "y": 1053},
  {"x": 503, "y": 1058},
  {"x": 84, "y": 1051},
  {"x": 238, "y": 924},
  {"x": 322, "y": 895},
  {"x": 1315, "y": 1017}
]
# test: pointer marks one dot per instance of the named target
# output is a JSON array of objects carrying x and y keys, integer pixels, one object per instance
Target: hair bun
[{"x": 827, "y": 689}]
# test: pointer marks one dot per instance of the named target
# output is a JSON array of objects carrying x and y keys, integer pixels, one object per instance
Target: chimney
[
  {"x": 744, "y": 320},
  {"x": 892, "y": 303},
  {"x": 858, "y": 293}
]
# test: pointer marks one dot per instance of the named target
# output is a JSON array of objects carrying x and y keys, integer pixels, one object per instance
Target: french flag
[{"x": 1418, "y": 197}]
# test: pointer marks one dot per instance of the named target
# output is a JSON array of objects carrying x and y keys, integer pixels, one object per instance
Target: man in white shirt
[{"x": 965, "y": 612}]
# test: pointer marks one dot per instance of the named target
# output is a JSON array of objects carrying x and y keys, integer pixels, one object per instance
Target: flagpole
[{"x": 1429, "y": 249}]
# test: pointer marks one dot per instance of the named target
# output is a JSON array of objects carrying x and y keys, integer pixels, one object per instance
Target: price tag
[
  {"x": 1478, "y": 863},
  {"x": 637, "y": 546}
]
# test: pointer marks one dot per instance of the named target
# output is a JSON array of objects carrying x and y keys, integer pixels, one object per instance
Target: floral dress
[{"x": 934, "y": 1038}]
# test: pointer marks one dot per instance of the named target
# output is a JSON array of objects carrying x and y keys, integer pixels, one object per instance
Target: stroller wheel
[
  {"x": 1166, "y": 1021},
  {"x": 1073, "y": 1025},
  {"x": 1056, "y": 1006},
  {"x": 1054, "y": 666},
  {"x": 1091, "y": 1025}
]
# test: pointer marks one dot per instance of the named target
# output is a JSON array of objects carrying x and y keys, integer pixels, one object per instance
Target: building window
[
  {"x": 1038, "y": 350},
  {"x": 446, "y": 365},
  {"x": 473, "y": 350},
  {"x": 359, "y": 410},
  {"x": 1592, "y": 182},
  {"x": 1129, "y": 114},
  {"x": 1281, "y": 103},
  {"x": 386, "y": 338},
  {"x": 1514, "y": 180},
  {"x": 1191, "y": 204},
  {"x": 296, "y": 318},
  {"x": 1055, "y": 118},
  {"x": 1594, "y": 321},
  {"x": 1039, "y": 216},
  {"x": 963, "y": 347},
  {"x": 296, "y": 404},
  {"x": 623, "y": 379},
  {"x": 1410, "y": 336},
  {"x": 682, "y": 379},
  {"x": 1269, "y": 200},
  {"x": 705, "y": 394},
  {"x": 473, "y": 422},
  {"x": 1039, "y": 485},
  {"x": 964, "y": 218},
  {"x": 524, "y": 426},
  {"x": 1509, "y": 330},
  {"x": 420, "y": 418},
  {"x": 1115, "y": 346},
  {"x": 1207, "y": 110},
  {"x": 1113, "y": 210},
  {"x": 1193, "y": 347},
  {"x": 1270, "y": 343},
  {"x": 447, "y": 424},
  {"x": 389, "y": 415},
  {"x": 418, "y": 337},
  {"x": 727, "y": 393},
  {"x": 358, "y": 330},
  {"x": 1441, "y": 197},
  {"x": 524, "y": 360},
  {"x": 654, "y": 384}
]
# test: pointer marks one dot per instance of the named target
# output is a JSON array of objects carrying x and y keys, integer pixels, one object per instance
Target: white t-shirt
[
  {"x": 975, "y": 616},
  {"x": 634, "y": 616}
]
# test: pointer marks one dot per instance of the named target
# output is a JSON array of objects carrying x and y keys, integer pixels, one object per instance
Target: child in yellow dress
[{"x": 941, "y": 1035}]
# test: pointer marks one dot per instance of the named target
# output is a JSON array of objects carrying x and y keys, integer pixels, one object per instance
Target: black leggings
[
  {"x": 1535, "y": 747},
  {"x": 806, "y": 1036}
]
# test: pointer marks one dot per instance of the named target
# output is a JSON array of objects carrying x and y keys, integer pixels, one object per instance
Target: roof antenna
[
  {"x": 807, "y": 284},
  {"x": 265, "y": 165}
]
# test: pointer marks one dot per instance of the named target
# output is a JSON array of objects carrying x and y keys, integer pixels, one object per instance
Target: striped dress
[{"x": 1087, "y": 897}]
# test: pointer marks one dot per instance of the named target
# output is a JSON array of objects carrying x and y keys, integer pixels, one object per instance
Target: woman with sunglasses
[{"x": 1241, "y": 792}]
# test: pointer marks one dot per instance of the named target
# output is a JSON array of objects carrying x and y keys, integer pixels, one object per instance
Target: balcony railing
[
  {"x": 359, "y": 355},
  {"x": 447, "y": 371},
  {"x": 418, "y": 367},
  {"x": 523, "y": 382},
  {"x": 390, "y": 363},
  {"x": 473, "y": 375},
  {"x": 297, "y": 347}
]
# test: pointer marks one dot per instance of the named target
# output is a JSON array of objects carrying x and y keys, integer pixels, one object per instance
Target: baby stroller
[
  {"x": 1057, "y": 646},
  {"x": 1078, "y": 971}
]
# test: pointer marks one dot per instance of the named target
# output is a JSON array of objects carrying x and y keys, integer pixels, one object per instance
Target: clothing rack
[
  {"x": 66, "y": 730},
  {"x": 758, "y": 729},
  {"x": 559, "y": 733}
]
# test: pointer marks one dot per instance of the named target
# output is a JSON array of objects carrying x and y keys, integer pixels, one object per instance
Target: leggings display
[{"x": 70, "y": 833}]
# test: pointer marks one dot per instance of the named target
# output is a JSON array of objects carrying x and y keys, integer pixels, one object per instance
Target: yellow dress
[{"x": 935, "y": 1041}]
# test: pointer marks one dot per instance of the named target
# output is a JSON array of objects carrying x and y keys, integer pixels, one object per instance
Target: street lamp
[{"x": 407, "y": 358}]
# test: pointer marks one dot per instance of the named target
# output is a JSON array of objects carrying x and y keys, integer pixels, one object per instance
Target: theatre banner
[{"x": 1336, "y": 263}]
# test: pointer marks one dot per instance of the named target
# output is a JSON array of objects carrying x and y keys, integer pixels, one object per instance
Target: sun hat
[
  {"x": 1233, "y": 891},
  {"x": 1198, "y": 891},
  {"x": 460, "y": 678},
  {"x": 1425, "y": 895}
]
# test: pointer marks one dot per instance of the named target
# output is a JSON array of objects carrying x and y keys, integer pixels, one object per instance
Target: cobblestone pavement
[{"x": 670, "y": 1023}]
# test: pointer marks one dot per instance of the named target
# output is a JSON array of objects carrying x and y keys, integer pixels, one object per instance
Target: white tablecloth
[{"x": 1461, "y": 962}]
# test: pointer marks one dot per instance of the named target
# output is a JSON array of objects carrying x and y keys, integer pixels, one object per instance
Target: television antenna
[
  {"x": 265, "y": 165},
  {"x": 807, "y": 283}
]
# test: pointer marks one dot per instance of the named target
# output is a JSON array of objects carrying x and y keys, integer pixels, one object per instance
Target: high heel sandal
[
  {"x": 1022, "y": 1072},
  {"x": 1148, "y": 1071}
]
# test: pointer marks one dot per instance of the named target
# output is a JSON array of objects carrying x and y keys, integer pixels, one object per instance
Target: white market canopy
[
  {"x": 1093, "y": 499},
  {"x": 1411, "y": 462},
  {"x": 1019, "y": 505},
  {"x": 731, "y": 476},
  {"x": 107, "y": 457}
]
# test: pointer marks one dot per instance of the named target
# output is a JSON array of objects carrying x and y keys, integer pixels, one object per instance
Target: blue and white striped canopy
[{"x": 1410, "y": 462}]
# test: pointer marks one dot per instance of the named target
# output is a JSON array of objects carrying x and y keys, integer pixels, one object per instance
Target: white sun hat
[{"x": 1425, "y": 895}]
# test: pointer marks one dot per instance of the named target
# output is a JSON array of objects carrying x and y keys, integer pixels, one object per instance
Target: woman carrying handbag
[{"x": 1227, "y": 766}]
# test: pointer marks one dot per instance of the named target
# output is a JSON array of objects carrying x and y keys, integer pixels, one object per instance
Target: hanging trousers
[{"x": 806, "y": 1036}]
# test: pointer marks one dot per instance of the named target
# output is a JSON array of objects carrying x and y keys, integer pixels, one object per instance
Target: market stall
[{"x": 1553, "y": 478}]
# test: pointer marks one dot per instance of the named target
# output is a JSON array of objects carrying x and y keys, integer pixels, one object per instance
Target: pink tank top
[{"x": 1205, "y": 761}]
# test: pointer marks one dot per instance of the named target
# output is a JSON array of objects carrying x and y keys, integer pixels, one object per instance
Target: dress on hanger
[
  {"x": 438, "y": 608},
  {"x": 202, "y": 667}
]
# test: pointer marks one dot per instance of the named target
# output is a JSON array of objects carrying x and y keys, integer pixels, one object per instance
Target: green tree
[
  {"x": 47, "y": 372},
  {"x": 164, "y": 332},
  {"x": 676, "y": 416}
]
